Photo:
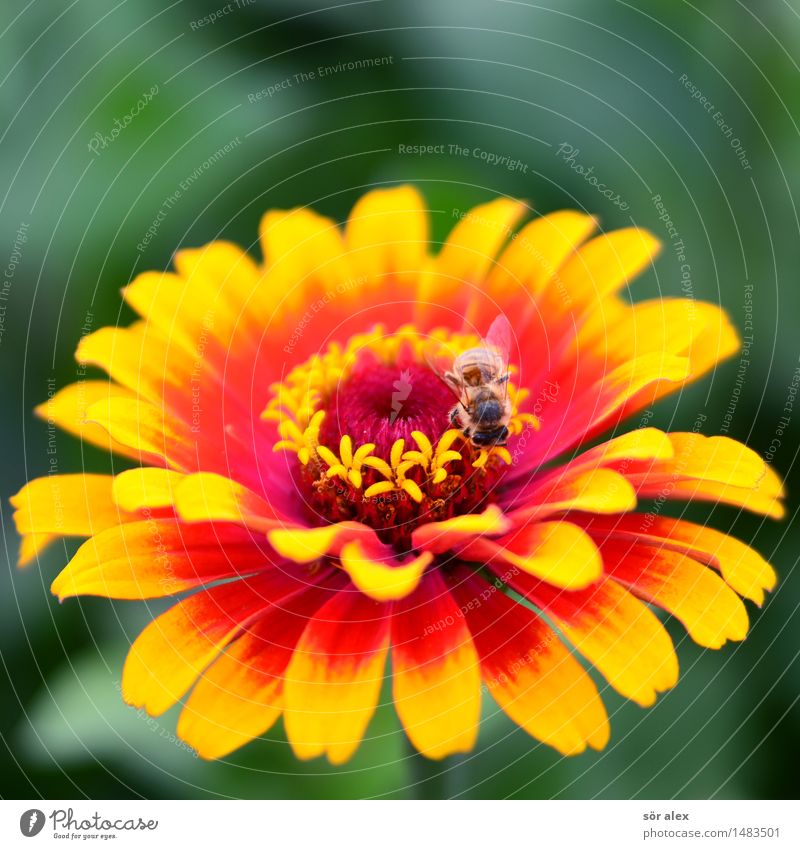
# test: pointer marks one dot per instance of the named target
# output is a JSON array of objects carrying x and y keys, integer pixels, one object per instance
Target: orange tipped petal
[
  {"x": 709, "y": 609},
  {"x": 175, "y": 648},
  {"x": 436, "y": 675},
  {"x": 528, "y": 670},
  {"x": 240, "y": 696},
  {"x": 614, "y": 631},
  {"x": 158, "y": 557},
  {"x": 742, "y": 567},
  {"x": 333, "y": 681}
]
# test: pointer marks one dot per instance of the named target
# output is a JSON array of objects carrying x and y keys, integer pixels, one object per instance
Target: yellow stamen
[{"x": 296, "y": 406}]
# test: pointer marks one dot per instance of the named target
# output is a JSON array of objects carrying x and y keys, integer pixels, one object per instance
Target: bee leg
[{"x": 454, "y": 416}]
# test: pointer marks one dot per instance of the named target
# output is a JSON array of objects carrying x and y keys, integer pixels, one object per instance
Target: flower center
[{"x": 370, "y": 425}]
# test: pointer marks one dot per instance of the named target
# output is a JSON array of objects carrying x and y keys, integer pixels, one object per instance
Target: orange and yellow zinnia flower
[{"x": 298, "y": 481}]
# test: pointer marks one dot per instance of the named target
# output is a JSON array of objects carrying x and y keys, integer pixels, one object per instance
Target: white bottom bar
[{"x": 402, "y": 825}]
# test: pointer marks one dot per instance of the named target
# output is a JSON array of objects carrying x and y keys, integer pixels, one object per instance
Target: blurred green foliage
[{"x": 617, "y": 82}]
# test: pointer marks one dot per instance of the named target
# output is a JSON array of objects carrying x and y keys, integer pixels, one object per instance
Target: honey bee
[{"x": 479, "y": 379}]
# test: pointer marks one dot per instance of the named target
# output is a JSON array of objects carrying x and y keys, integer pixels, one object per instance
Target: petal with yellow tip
[
  {"x": 529, "y": 671},
  {"x": 174, "y": 649},
  {"x": 442, "y": 536},
  {"x": 208, "y": 497},
  {"x": 304, "y": 545},
  {"x": 333, "y": 681},
  {"x": 382, "y": 579},
  {"x": 150, "y": 488},
  {"x": 436, "y": 673},
  {"x": 560, "y": 553}
]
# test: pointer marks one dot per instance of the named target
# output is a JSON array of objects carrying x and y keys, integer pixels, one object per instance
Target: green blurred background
[{"x": 623, "y": 84}]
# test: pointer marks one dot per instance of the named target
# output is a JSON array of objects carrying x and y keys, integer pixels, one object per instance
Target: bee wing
[
  {"x": 498, "y": 340},
  {"x": 440, "y": 359}
]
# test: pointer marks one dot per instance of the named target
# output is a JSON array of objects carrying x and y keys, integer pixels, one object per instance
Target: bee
[{"x": 479, "y": 379}]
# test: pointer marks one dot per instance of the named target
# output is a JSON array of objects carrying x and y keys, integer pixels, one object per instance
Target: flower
[{"x": 297, "y": 477}]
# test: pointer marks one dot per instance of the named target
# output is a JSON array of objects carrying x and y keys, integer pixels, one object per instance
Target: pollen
[{"x": 370, "y": 426}]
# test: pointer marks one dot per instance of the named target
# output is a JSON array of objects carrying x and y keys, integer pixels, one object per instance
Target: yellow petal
[
  {"x": 606, "y": 263},
  {"x": 646, "y": 443},
  {"x": 709, "y": 609},
  {"x": 615, "y": 632},
  {"x": 146, "y": 487},
  {"x": 475, "y": 240},
  {"x": 67, "y": 505},
  {"x": 303, "y": 545},
  {"x": 382, "y": 581},
  {"x": 149, "y": 432},
  {"x": 435, "y": 671},
  {"x": 560, "y": 553},
  {"x": 208, "y": 497},
  {"x": 596, "y": 491},
  {"x": 66, "y": 409},
  {"x": 304, "y": 254},
  {"x": 438, "y": 537},
  {"x": 539, "y": 249},
  {"x": 387, "y": 232}
]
